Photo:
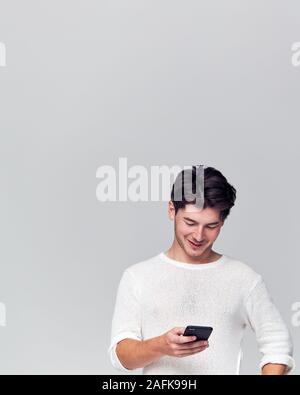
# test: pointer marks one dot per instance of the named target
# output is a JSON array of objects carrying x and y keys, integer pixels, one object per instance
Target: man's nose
[{"x": 198, "y": 235}]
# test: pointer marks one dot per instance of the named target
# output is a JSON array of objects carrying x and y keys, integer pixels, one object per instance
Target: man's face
[{"x": 195, "y": 229}]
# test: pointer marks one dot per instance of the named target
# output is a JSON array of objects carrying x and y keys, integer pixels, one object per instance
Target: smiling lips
[{"x": 196, "y": 245}]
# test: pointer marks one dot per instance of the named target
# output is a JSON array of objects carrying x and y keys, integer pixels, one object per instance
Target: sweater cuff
[
  {"x": 112, "y": 350},
  {"x": 280, "y": 359}
]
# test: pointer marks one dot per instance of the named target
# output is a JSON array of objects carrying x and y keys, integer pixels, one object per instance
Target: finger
[
  {"x": 195, "y": 344},
  {"x": 179, "y": 330},
  {"x": 190, "y": 349},
  {"x": 185, "y": 339},
  {"x": 191, "y": 352}
]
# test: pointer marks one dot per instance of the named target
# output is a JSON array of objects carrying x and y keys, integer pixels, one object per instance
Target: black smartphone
[{"x": 202, "y": 332}]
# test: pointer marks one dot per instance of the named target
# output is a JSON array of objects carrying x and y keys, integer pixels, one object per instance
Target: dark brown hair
[{"x": 218, "y": 193}]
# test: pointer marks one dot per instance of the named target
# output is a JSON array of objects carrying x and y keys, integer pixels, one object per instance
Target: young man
[{"x": 191, "y": 284}]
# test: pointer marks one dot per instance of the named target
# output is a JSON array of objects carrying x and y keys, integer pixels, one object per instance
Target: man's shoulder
[
  {"x": 145, "y": 266},
  {"x": 242, "y": 269}
]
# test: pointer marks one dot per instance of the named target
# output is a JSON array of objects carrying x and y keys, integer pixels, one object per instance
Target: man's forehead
[
  {"x": 192, "y": 208},
  {"x": 194, "y": 212}
]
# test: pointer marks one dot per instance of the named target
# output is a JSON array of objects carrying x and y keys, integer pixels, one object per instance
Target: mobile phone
[{"x": 202, "y": 332}]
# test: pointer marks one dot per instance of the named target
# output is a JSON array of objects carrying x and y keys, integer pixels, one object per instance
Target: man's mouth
[{"x": 196, "y": 245}]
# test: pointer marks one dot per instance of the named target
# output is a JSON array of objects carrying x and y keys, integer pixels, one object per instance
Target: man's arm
[
  {"x": 272, "y": 335},
  {"x": 135, "y": 354},
  {"x": 274, "y": 369},
  {"x": 126, "y": 322}
]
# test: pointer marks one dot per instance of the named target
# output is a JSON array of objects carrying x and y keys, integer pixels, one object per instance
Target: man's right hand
[
  {"x": 173, "y": 343},
  {"x": 134, "y": 354}
]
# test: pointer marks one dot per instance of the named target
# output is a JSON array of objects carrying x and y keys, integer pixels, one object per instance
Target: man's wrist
[
  {"x": 156, "y": 344},
  {"x": 274, "y": 369}
]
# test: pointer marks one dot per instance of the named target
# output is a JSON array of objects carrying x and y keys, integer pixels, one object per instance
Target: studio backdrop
[{"x": 87, "y": 86}]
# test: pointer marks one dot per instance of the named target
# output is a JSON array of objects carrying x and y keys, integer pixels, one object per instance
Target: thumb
[{"x": 179, "y": 330}]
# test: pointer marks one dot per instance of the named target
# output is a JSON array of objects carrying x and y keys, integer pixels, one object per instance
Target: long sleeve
[
  {"x": 273, "y": 337},
  {"x": 126, "y": 322}
]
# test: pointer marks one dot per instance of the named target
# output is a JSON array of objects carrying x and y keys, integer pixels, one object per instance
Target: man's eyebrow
[{"x": 191, "y": 220}]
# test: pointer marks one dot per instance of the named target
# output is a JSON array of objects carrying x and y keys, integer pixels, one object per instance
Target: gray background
[{"x": 161, "y": 83}]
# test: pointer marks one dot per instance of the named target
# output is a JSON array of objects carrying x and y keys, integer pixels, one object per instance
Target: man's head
[{"x": 196, "y": 228}]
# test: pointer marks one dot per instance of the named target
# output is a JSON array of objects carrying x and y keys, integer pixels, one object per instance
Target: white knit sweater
[{"x": 161, "y": 293}]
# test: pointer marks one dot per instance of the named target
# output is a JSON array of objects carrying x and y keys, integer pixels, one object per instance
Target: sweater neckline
[{"x": 194, "y": 266}]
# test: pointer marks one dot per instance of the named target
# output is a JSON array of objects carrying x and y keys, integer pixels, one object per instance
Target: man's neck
[{"x": 178, "y": 254}]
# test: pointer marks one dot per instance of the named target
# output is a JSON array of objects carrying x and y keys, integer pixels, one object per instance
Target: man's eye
[
  {"x": 189, "y": 224},
  {"x": 212, "y": 227}
]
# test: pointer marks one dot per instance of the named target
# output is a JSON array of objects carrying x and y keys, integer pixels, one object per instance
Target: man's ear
[{"x": 171, "y": 210}]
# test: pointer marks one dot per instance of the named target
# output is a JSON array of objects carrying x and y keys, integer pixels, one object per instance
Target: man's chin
[{"x": 194, "y": 253}]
